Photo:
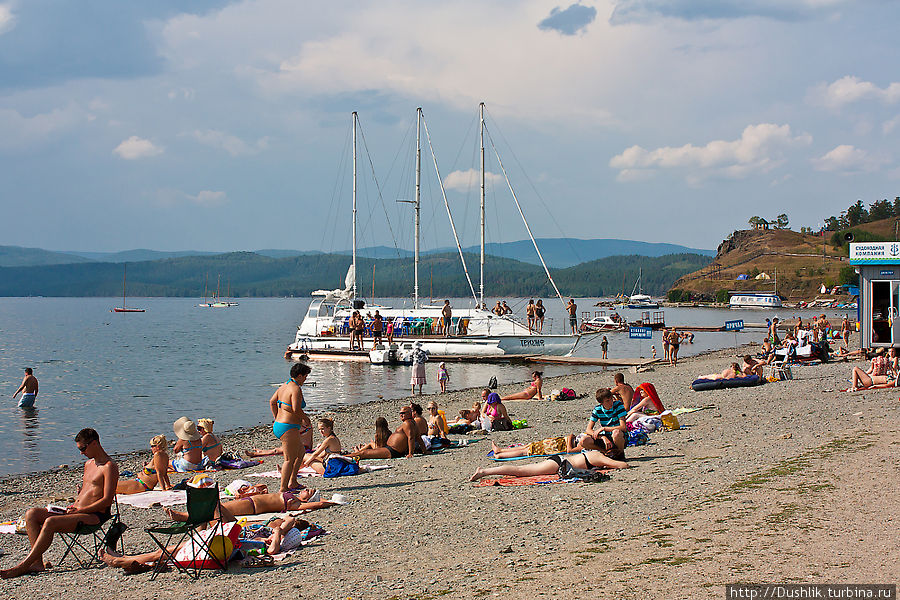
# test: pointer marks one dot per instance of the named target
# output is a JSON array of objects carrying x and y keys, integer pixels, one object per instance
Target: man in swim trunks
[
  {"x": 404, "y": 441},
  {"x": 29, "y": 389},
  {"x": 622, "y": 390},
  {"x": 291, "y": 425},
  {"x": 91, "y": 507},
  {"x": 377, "y": 329},
  {"x": 607, "y": 424},
  {"x": 573, "y": 316},
  {"x": 447, "y": 317}
]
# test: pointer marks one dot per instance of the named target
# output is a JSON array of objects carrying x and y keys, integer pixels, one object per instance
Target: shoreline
[{"x": 768, "y": 484}]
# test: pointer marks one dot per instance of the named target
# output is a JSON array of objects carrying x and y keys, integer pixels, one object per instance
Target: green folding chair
[
  {"x": 203, "y": 507},
  {"x": 84, "y": 544}
]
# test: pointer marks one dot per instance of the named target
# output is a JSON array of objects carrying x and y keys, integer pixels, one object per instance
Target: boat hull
[{"x": 128, "y": 310}]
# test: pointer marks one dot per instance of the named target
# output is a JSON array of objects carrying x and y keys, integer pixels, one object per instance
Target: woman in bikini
[
  {"x": 291, "y": 425},
  {"x": 496, "y": 412},
  {"x": 155, "y": 471},
  {"x": 276, "y": 502},
  {"x": 586, "y": 459},
  {"x": 210, "y": 444},
  {"x": 330, "y": 445},
  {"x": 877, "y": 374},
  {"x": 382, "y": 433},
  {"x": 188, "y": 448},
  {"x": 531, "y": 391}
]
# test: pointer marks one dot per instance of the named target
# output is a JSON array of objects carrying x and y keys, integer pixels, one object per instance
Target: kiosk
[{"x": 878, "y": 265}]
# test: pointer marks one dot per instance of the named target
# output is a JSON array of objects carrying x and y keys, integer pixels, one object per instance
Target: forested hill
[{"x": 248, "y": 274}]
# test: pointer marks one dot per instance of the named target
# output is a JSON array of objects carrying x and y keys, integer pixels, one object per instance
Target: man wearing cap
[
  {"x": 91, "y": 507},
  {"x": 188, "y": 448},
  {"x": 29, "y": 389}
]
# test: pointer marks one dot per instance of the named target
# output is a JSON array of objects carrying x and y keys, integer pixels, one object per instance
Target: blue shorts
[{"x": 27, "y": 400}]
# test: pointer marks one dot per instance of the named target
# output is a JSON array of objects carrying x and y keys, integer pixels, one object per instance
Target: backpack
[{"x": 492, "y": 383}]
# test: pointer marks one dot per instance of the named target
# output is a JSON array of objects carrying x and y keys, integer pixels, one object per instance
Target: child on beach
[
  {"x": 653, "y": 350},
  {"x": 443, "y": 377}
]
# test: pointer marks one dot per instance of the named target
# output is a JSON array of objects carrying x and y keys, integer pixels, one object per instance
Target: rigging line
[
  {"x": 538, "y": 194},
  {"x": 449, "y": 214},
  {"x": 336, "y": 188},
  {"x": 524, "y": 220},
  {"x": 380, "y": 196}
]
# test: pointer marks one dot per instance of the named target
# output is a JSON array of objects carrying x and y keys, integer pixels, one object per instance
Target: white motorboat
[
  {"x": 604, "y": 322},
  {"x": 754, "y": 300},
  {"x": 640, "y": 300},
  {"x": 474, "y": 331}
]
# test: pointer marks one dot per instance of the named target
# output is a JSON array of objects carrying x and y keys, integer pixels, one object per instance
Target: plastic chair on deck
[
  {"x": 85, "y": 542},
  {"x": 203, "y": 506}
]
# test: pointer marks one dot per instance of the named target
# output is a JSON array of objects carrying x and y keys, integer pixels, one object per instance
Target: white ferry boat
[
  {"x": 324, "y": 331},
  {"x": 754, "y": 300}
]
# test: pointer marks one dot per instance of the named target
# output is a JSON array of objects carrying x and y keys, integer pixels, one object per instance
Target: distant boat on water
[
  {"x": 215, "y": 301},
  {"x": 124, "y": 308}
]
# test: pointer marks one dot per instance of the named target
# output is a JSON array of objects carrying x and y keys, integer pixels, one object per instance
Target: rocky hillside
[{"x": 797, "y": 258}]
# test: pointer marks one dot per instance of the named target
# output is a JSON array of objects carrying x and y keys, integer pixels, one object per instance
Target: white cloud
[
  {"x": 848, "y": 159},
  {"x": 849, "y": 89},
  {"x": 18, "y": 131},
  {"x": 233, "y": 145},
  {"x": 890, "y": 125},
  {"x": 135, "y": 147},
  {"x": 7, "y": 19},
  {"x": 759, "y": 149},
  {"x": 465, "y": 180},
  {"x": 208, "y": 198}
]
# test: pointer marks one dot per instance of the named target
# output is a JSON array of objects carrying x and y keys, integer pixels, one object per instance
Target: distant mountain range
[{"x": 558, "y": 252}]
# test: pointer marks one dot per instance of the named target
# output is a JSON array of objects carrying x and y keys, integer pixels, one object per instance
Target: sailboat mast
[
  {"x": 124, "y": 274},
  {"x": 354, "y": 204},
  {"x": 481, "y": 119},
  {"x": 417, "y": 204}
]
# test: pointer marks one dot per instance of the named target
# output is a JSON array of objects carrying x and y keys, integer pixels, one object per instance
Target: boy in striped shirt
[{"x": 607, "y": 424}]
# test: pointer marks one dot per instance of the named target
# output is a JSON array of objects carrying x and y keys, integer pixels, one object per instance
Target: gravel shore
[{"x": 791, "y": 481}]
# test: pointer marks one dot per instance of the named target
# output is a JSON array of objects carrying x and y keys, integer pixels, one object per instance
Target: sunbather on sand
[
  {"x": 286, "y": 535},
  {"x": 555, "y": 445},
  {"x": 877, "y": 373},
  {"x": 330, "y": 445},
  {"x": 644, "y": 402},
  {"x": 584, "y": 460},
  {"x": 751, "y": 366},
  {"x": 155, "y": 471},
  {"x": 404, "y": 441},
  {"x": 305, "y": 499},
  {"x": 211, "y": 445},
  {"x": 468, "y": 416},
  {"x": 531, "y": 391}
]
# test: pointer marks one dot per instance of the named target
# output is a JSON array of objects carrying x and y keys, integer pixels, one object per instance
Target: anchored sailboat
[
  {"x": 124, "y": 308},
  {"x": 474, "y": 331}
]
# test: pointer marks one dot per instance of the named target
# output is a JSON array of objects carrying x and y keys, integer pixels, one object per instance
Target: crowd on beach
[{"x": 599, "y": 445}]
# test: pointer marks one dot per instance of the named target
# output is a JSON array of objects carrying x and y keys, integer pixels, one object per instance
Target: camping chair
[
  {"x": 780, "y": 369},
  {"x": 203, "y": 506},
  {"x": 85, "y": 542}
]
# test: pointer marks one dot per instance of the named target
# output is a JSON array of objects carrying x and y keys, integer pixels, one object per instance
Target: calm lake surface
[{"x": 130, "y": 376}]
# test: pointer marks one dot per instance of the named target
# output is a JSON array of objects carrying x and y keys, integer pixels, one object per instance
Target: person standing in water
[{"x": 29, "y": 389}]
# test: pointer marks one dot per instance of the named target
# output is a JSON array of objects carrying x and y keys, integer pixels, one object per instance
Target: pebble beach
[{"x": 789, "y": 482}]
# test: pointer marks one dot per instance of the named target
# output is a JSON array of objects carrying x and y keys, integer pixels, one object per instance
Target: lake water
[{"x": 131, "y": 375}]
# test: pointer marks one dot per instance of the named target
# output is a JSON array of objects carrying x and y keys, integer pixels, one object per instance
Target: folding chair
[
  {"x": 203, "y": 506},
  {"x": 780, "y": 369},
  {"x": 87, "y": 540}
]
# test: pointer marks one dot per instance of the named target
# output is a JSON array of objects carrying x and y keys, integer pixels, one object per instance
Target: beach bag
[
  {"x": 669, "y": 421},
  {"x": 193, "y": 556},
  {"x": 492, "y": 383},
  {"x": 339, "y": 466},
  {"x": 566, "y": 394},
  {"x": 503, "y": 424}
]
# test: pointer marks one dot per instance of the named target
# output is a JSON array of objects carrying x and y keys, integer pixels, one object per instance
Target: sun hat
[
  {"x": 493, "y": 398},
  {"x": 186, "y": 430},
  {"x": 202, "y": 480},
  {"x": 233, "y": 488},
  {"x": 316, "y": 497},
  {"x": 339, "y": 499}
]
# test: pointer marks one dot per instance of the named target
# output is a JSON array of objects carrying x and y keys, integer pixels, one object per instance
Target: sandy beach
[{"x": 791, "y": 481}]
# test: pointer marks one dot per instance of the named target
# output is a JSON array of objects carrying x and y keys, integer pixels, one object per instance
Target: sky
[{"x": 225, "y": 125}]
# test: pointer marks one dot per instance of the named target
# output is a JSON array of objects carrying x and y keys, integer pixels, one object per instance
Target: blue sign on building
[
  {"x": 734, "y": 325},
  {"x": 640, "y": 333}
]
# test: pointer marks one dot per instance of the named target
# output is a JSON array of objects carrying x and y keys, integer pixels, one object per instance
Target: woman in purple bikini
[{"x": 291, "y": 425}]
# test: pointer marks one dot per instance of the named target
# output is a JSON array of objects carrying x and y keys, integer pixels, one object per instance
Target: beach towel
[
  {"x": 303, "y": 472},
  {"x": 517, "y": 481},
  {"x": 236, "y": 463},
  {"x": 153, "y": 498},
  {"x": 8, "y": 527},
  {"x": 338, "y": 466},
  {"x": 686, "y": 410}
]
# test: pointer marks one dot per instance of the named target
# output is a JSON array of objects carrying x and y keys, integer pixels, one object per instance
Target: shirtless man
[
  {"x": 404, "y": 441},
  {"x": 91, "y": 507},
  {"x": 447, "y": 317},
  {"x": 751, "y": 366},
  {"x": 498, "y": 310},
  {"x": 573, "y": 315},
  {"x": 29, "y": 389},
  {"x": 624, "y": 391}
]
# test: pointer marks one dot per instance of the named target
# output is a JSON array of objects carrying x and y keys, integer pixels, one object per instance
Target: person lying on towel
[{"x": 276, "y": 502}]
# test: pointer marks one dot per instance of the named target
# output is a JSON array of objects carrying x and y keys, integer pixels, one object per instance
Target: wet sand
[{"x": 787, "y": 482}]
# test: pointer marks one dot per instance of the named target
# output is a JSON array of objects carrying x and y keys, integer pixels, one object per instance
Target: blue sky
[{"x": 214, "y": 125}]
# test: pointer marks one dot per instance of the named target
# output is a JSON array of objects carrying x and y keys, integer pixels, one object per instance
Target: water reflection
[{"x": 30, "y": 434}]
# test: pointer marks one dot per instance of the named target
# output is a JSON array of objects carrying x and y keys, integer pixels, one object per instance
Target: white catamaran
[{"x": 324, "y": 331}]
